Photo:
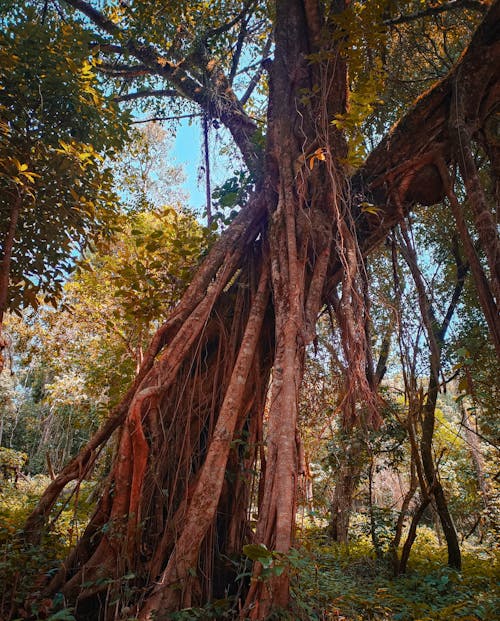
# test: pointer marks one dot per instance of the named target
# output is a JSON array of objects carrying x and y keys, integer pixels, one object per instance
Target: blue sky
[{"x": 187, "y": 152}]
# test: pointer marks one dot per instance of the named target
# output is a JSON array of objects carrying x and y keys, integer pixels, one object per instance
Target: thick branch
[{"x": 411, "y": 149}]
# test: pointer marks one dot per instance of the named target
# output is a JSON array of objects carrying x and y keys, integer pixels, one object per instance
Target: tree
[
  {"x": 71, "y": 364},
  {"x": 55, "y": 194},
  {"x": 175, "y": 505}
]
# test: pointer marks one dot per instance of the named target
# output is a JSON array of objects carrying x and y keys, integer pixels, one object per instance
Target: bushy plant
[
  {"x": 23, "y": 567},
  {"x": 349, "y": 583}
]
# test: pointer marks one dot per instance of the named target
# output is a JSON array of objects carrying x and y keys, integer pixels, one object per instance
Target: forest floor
[{"x": 329, "y": 581}]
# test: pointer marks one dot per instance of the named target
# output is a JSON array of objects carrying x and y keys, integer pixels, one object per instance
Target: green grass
[{"x": 23, "y": 567}]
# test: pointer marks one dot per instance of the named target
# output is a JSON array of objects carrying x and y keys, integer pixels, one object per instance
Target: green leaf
[
  {"x": 62, "y": 615},
  {"x": 257, "y": 552}
]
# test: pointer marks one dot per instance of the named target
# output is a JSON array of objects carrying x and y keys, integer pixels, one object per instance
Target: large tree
[{"x": 196, "y": 457}]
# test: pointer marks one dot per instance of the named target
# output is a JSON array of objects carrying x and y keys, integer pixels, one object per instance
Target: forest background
[{"x": 393, "y": 511}]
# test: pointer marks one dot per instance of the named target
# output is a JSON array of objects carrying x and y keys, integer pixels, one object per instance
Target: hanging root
[
  {"x": 172, "y": 590},
  {"x": 162, "y": 497},
  {"x": 219, "y": 266}
]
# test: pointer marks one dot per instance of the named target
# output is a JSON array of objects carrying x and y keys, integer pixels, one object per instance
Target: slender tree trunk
[
  {"x": 405, "y": 505},
  {"x": 5, "y": 262},
  {"x": 436, "y": 335},
  {"x": 412, "y": 534},
  {"x": 347, "y": 480},
  {"x": 415, "y": 406}
]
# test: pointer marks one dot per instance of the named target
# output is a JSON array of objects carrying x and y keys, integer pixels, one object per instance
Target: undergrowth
[
  {"x": 329, "y": 581},
  {"x": 349, "y": 583},
  {"x": 24, "y": 567}
]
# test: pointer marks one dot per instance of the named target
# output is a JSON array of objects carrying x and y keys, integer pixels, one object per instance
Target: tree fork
[{"x": 436, "y": 335}]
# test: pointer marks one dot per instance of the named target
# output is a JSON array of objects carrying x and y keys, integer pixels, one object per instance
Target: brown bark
[
  {"x": 483, "y": 217},
  {"x": 108, "y": 558},
  {"x": 204, "y": 500},
  {"x": 412, "y": 534},
  {"x": 463, "y": 108}
]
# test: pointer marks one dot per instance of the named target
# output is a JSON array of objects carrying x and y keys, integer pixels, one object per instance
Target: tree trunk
[
  {"x": 5, "y": 261},
  {"x": 436, "y": 337},
  {"x": 347, "y": 480}
]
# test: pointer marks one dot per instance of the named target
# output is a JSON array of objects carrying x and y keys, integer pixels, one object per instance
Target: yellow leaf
[
  {"x": 319, "y": 154},
  {"x": 369, "y": 208}
]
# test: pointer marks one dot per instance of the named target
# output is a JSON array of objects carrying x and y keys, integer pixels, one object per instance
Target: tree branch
[
  {"x": 462, "y": 268},
  {"x": 125, "y": 71},
  {"x": 167, "y": 118},
  {"x": 472, "y": 5},
  {"x": 214, "y": 32},
  {"x": 258, "y": 74},
  {"x": 216, "y": 98},
  {"x": 108, "y": 47},
  {"x": 237, "y": 53},
  {"x": 165, "y": 92}
]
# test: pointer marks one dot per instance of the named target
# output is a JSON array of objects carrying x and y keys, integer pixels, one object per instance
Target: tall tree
[
  {"x": 176, "y": 503},
  {"x": 56, "y": 126}
]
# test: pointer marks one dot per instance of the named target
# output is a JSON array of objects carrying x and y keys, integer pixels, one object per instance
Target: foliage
[
  {"x": 57, "y": 126},
  {"x": 11, "y": 460},
  {"x": 143, "y": 174},
  {"x": 364, "y": 35},
  {"x": 23, "y": 567},
  {"x": 232, "y": 195},
  {"x": 348, "y": 583},
  {"x": 75, "y": 364}
]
